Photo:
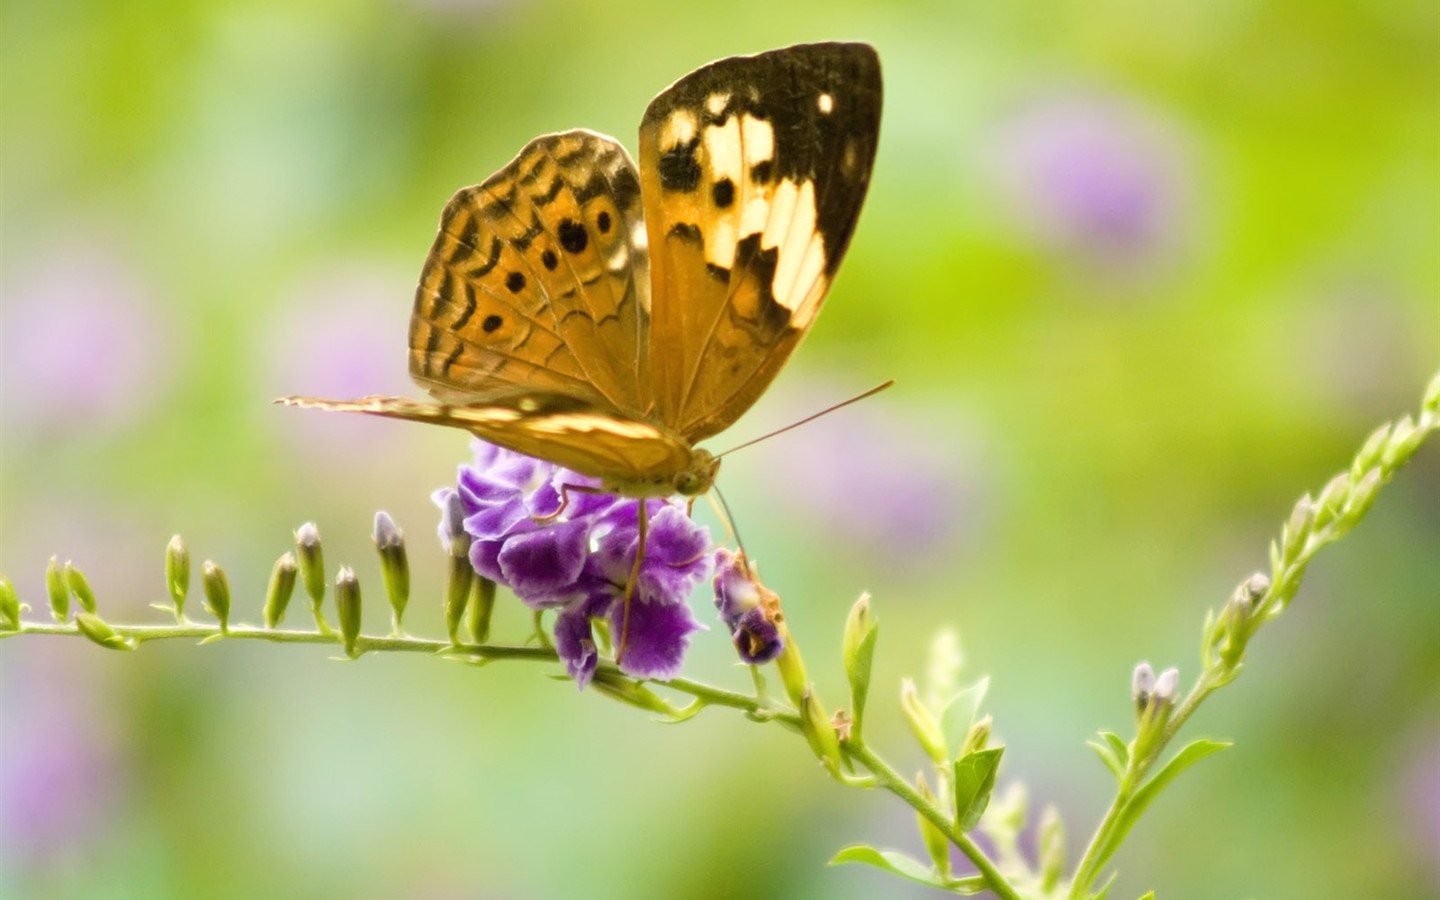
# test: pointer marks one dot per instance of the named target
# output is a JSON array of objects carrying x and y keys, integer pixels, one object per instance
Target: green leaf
[
  {"x": 974, "y": 783},
  {"x": 1187, "y": 757},
  {"x": 961, "y": 710},
  {"x": 891, "y": 861},
  {"x": 1107, "y": 756},
  {"x": 1118, "y": 746}
]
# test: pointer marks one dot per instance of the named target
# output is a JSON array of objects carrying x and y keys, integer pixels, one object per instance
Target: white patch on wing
[
  {"x": 722, "y": 150},
  {"x": 715, "y": 103},
  {"x": 826, "y": 104},
  {"x": 678, "y": 129},
  {"x": 794, "y": 249},
  {"x": 759, "y": 138}
]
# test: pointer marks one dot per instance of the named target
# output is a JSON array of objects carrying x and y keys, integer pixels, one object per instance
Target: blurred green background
[{"x": 1144, "y": 273}]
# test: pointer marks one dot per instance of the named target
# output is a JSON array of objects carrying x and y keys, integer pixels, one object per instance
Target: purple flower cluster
[{"x": 578, "y": 560}]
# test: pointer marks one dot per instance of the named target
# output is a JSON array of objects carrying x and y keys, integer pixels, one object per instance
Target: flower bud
[
  {"x": 177, "y": 573},
  {"x": 819, "y": 732},
  {"x": 1369, "y": 454},
  {"x": 977, "y": 737},
  {"x": 281, "y": 588},
  {"x": 310, "y": 557},
  {"x": 1363, "y": 496},
  {"x": 217, "y": 593},
  {"x": 1331, "y": 499},
  {"x": 482, "y": 604},
  {"x": 394, "y": 566},
  {"x": 936, "y": 843},
  {"x": 57, "y": 592},
  {"x": 80, "y": 587},
  {"x": 1167, "y": 687},
  {"x": 1052, "y": 849},
  {"x": 9, "y": 606},
  {"x": 1298, "y": 528},
  {"x": 457, "y": 594},
  {"x": 1142, "y": 685},
  {"x": 858, "y": 652},
  {"x": 99, "y": 631},
  {"x": 923, "y": 723},
  {"x": 347, "y": 608},
  {"x": 453, "y": 536},
  {"x": 1401, "y": 437}
]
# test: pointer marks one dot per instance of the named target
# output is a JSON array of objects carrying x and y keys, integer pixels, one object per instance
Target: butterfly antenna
[
  {"x": 729, "y": 518},
  {"x": 810, "y": 418}
]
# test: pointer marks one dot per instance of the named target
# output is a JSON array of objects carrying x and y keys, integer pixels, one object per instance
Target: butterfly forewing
[
  {"x": 753, "y": 170},
  {"x": 538, "y": 282}
]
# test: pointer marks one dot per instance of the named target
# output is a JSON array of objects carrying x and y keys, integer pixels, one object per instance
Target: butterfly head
[{"x": 699, "y": 476}]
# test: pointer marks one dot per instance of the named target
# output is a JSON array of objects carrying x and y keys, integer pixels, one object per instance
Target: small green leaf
[
  {"x": 961, "y": 710},
  {"x": 1187, "y": 757},
  {"x": 974, "y": 783},
  {"x": 891, "y": 861},
  {"x": 1117, "y": 746},
  {"x": 1107, "y": 756}
]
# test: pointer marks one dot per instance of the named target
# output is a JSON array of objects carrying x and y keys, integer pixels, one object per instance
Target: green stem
[{"x": 892, "y": 782}]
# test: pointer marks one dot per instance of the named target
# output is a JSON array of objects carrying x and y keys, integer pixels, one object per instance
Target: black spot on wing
[
  {"x": 602, "y": 222},
  {"x": 549, "y": 260},
  {"x": 723, "y": 193},
  {"x": 515, "y": 282},
  {"x": 573, "y": 236},
  {"x": 491, "y": 323},
  {"x": 686, "y": 232},
  {"x": 679, "y": 169}
]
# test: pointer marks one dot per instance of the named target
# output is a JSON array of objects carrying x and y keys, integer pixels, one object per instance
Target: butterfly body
[{"x": 608, "y": 317}]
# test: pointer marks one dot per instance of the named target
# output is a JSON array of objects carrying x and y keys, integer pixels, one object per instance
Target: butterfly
[{"x": 607, "y": 317}]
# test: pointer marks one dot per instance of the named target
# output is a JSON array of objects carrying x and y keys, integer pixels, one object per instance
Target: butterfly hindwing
[
  {"x": 753, "y": 170},
  {"x": 560, "y": 428},
  {"x": 538, "y": 281}
]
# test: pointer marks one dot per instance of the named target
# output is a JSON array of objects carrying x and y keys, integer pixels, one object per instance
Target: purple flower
[
  {"x": 84, "y": 336},
  {"x": 741, "y": 601},
  {"x": 1092, "y": 173},
  {"x": 574, "y": 551}
]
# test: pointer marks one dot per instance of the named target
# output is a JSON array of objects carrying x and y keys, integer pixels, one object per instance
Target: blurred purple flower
[
  {"x": 580, "y": 561},
  {"x": 1093, "y": 174},
  {"x": 60, "y": 784},
  {"x": 895, "y": 484},
  {"x": 340, "y": 333},
  {"x": 82, "y": 335}
]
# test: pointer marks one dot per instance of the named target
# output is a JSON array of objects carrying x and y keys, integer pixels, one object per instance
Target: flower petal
[
  {"x": 542, "y": 563},
  {"x": 655, "y": 638}
]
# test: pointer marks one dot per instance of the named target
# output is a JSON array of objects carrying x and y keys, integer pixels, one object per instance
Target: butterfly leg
[
  {"x": 565, "y": 490},
  {"x": 630, "y": 583}
]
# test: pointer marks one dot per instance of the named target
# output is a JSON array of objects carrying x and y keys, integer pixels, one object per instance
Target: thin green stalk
[{"x": 895, "y": 784}]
